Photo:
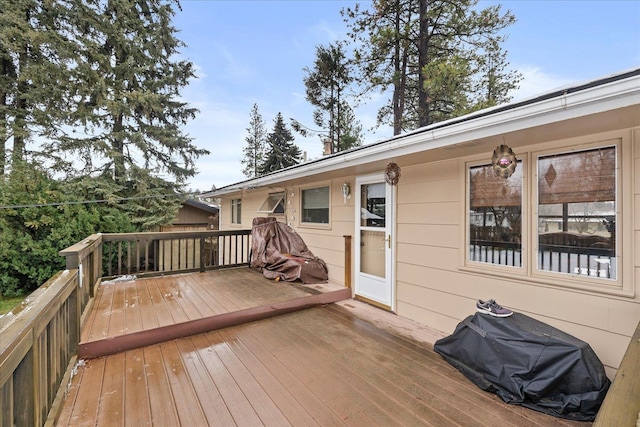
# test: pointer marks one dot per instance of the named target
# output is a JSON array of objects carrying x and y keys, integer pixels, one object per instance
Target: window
[
  {"x": 236, "y": 211},
  {"x": 495, "y": 216},
  {"x": 274, "y": 204},
  {"x": 577, "y": 212},
  {"x": 315, "y": 205},
  {"x": 570, "y": 228}
]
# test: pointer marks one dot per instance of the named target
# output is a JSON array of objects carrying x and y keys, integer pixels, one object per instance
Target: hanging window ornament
[
  {"x": 504, "y": 161},
  {"x": 392, "y": 174}
]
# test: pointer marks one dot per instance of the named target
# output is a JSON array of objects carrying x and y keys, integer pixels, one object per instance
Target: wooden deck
[{"x": 322, "y": 366}]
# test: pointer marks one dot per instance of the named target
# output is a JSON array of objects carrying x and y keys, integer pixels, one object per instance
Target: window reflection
[
  {"x": 577, "y": 212},
  {"x": 495, "y": 216},
  {"x": 373, "y": 204}
]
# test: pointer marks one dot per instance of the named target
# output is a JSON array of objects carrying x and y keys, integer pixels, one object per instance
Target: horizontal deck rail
[
  {"x": 40, "y": 338},
  {"x": 157, "y": 253},
  {"x": 621, "y": 406},
  {"x": 39, "y": 341}
]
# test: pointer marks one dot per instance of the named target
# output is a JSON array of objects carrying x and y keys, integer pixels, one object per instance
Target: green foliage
[
  {"x": 40, "y": 217},
  {"x": 281, "y": 152},
  {"x": 95, "y": 85},
  {"x": 326, "y": 87},
  {"x": 256, "y": 139},
  {"x": 9, "y": 303},
  {"x": 438, "y": 58}
]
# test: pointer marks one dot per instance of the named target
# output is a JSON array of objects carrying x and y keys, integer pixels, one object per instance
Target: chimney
[{"x": 327, "y": 147}]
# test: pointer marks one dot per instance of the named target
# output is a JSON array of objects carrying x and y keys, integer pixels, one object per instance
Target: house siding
[{"x": 432, "y": 284}]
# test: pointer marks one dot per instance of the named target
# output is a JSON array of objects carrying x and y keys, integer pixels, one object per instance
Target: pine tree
[
  {"x": 254, "y": 150},
  {"x": 281, "y": 151},
  {"x": 35, "y": 53},
  {"x": 125, "y": 108},
  {"x": 326, "y": 87},
  {"x": 439, "y": 58}
]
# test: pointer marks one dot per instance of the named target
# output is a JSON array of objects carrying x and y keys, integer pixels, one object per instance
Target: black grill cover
[{"x": 528, "y": 363}]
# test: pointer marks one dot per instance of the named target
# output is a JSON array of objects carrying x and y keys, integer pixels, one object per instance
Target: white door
[{"x": 374, "y": 241}]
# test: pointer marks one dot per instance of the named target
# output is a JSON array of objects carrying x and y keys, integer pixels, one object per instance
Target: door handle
[{"x": 388, "y": 239}]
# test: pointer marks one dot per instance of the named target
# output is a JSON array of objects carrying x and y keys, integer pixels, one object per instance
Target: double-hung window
[
  {"x": 315, "y": 205},
  {"x": 563, "y": 227},
  {"x": 236, "y": 211}
]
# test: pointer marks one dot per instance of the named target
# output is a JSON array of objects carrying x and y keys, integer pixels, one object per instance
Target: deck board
[
  {"x": 323, "y": 366},
  {"x": 144, "y": 304},
  {"x": 112, "y": 397}
]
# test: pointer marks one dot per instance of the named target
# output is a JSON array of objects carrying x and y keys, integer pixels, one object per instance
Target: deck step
[{"x": 99, "y": 348}]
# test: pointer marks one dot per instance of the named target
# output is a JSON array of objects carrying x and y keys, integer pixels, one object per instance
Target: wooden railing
[
  {"x": 39, "y": 341},
  {"x": 621, "y": 406},
  {"x": 40, "y": 338},
  {"x": 159, "y": 253}
]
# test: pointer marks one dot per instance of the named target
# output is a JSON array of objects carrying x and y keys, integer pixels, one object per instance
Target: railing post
[
  {"x": 347, "y": 261},
  {"x": 202, "y": 253}
]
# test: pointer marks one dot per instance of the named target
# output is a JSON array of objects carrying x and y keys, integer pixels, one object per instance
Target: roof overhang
[{"x": 598, "y": 96}]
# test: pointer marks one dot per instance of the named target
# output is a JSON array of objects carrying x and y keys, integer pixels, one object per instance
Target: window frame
[
  {"x": 280, "y": 198},
  {"x": 304, "y": 223},
  {"x": 501, "y": 269},
  {"x": 623, "y": 285},
  {"x": 551, "y": 275},
  {"x": 236, "y": 211}
]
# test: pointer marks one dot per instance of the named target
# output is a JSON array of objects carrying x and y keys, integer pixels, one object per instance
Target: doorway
[{"x": 374, "y": 241}]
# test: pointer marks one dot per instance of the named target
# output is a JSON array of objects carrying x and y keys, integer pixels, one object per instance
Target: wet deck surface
[
  {"x": 127, "y": 307},
  {"x": 319, "y": 366}
]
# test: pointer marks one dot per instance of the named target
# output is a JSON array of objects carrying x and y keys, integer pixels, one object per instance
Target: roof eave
[{"x": 599, "y": 96}]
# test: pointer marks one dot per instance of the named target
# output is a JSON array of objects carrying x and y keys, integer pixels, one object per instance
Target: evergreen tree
[
  {"x": 281, "y": 151},
  {"x": 439, "y": 58},
  {"x": 326, "y": 86},
  {"x": 35, "y": 53},
  {"x": 39, "y": 216},
  {"x": 127, "y": 116},
  {"x": 254, "y": 150},
  {"x": 351, "y": 129}
]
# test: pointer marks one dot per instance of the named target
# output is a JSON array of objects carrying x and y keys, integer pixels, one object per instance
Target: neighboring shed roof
[
  {"x": 200, "y": 205},
  {"x": 596, "y": 96}
]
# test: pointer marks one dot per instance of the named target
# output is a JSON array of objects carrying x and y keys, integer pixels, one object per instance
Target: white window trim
[
  {"x": 623, "y": 286},
  {"x": 232, "y": 213},
  {"x": 315, "y": 224},
  {"x": 281, "y": 199}
]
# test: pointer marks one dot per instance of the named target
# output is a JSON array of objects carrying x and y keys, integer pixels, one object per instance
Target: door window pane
[
  {"x": 373, "y": 205},
  {"x": 372, "y": 252}
]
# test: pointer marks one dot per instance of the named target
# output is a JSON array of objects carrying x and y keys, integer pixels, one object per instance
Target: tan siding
[
  {"x": 432, "y": 284},
  {"x": 428, "y": 256},
  {"x": 445, "y": 236},
  {"x": 429, "y": 213},
  {"x": 420, "y": 314}
]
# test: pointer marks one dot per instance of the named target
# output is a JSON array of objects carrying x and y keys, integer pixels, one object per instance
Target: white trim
[{"x": 481, "y": 124}]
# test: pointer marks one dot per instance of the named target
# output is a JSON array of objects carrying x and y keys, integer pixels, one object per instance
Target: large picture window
[
  {"x": 495, "y": 216},
  {"x": 564, "y": 226},
  {"x": 577, "y": 212},
  {"x": 315, "y": 205}
]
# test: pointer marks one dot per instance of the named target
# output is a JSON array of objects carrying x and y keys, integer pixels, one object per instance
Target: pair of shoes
[{"x": 492, "y": 308}]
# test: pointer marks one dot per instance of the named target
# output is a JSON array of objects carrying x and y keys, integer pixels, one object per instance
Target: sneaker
[{"x": 492, "y": 308}]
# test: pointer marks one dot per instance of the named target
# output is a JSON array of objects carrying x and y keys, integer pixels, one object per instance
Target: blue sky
[{"x": 250, "y": 52}]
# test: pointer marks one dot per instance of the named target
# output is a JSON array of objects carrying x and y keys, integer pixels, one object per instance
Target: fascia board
[{"x": 602, "y": 98}]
